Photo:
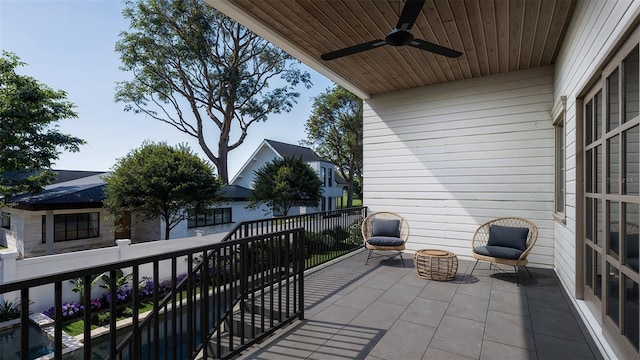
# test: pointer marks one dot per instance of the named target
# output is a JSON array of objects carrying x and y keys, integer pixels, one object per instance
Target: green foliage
[
  {"x": 284, "y": 183},
  {"x": 194, "y": 68},
  {"x": 29, "y": 137},
  {"x": 158, "y": 180},
  {"x": 102, "y": 318},
  {"x": 78, "y": 285},
  {"x": 338, "y": 233},
  {"x": 316, "y": 243},
  {"x": 334, "y": 131},
  {"x": 9, "y": 310},
  {"x": 121, "y": 279}
]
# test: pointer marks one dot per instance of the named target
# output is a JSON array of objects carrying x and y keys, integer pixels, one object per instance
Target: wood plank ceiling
[{"x": 495, "y": 36}]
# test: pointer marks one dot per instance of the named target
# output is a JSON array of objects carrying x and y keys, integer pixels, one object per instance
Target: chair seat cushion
[
  {"x": 385, "y": 227},
  {"x": 507, "y": 236},
  {"x": 385, "y": 241},
  {"x": 499, "y": 252}
]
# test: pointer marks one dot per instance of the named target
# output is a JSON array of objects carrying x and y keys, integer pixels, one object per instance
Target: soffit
[{"x": 495, "y": 36}]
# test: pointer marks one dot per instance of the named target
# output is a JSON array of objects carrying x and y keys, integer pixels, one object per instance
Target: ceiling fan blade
[
  {"x": 434, "y": 48},
  {"x": 352, "y": 50},
  {"x": 409, "y": 14}
]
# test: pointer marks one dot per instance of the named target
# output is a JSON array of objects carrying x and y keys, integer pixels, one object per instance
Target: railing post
[
  {"x": 123, "y": 248},
  {"x": 300, "y": 248},
  {"x": 8, "y": 273}
]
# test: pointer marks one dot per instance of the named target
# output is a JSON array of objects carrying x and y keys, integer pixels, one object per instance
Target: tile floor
[{"x": 385, "y": 311}]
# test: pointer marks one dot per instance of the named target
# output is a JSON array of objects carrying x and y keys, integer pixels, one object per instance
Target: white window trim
[{"x": 559, "y": 116}]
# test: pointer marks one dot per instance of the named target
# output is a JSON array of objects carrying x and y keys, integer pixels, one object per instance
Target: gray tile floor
[{"x": 385, "y": 311}]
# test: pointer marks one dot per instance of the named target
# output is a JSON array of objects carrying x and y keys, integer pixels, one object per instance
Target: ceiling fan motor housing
[{"x": 399, "y": 37}]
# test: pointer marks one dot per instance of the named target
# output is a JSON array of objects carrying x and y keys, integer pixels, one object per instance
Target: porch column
[{"x": 49, "y": 231}]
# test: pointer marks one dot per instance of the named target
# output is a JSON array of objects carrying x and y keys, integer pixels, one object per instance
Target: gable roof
[{"x": 295, "y": 151}]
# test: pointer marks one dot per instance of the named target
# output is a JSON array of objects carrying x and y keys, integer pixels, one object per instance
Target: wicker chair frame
[
  {"x": 481, "y": 237},
  {"x": 367, "y": 230}
]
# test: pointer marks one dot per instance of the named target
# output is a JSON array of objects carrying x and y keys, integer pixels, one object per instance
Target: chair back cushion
[
  {"x": 384, "y": 227},
  {"x": 507, "y": 236}
]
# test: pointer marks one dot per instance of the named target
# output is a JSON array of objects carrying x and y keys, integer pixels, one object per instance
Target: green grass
[
  {"x": 77, "y": 327},
  {"x": 355, "y": 202}
]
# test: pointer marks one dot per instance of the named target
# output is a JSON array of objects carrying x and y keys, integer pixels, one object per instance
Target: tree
[
  {"x": 158, "y": 180},
  {"x": 334, "y": 131},
  {"x": 284, "y": 183},
  {"x": 29, "y": 136},
  {"x": 201, "y": 72}
]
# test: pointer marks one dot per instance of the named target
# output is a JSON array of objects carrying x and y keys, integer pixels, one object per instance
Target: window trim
[
  {"x": 210, "y": 213},
  {"x": 96, "y": 232},
  {"x": 7, "y": 216},
  {"x": 560, "y": 163}
]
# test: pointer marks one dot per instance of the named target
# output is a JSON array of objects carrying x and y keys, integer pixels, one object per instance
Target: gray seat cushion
[
  {"x": 499, "y": 252},
  {"x": 385, "y": 241},
  {"x": 507, "y": 236}
]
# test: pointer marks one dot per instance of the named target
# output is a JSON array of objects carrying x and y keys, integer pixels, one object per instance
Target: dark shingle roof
[
  {"x": 295, "y": 151},
  {"x": 234, "y": 192},
  {"x": 82, "y": 192}
]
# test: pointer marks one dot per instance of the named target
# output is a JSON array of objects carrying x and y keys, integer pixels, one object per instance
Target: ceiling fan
[{"x": 400, "y": 36}]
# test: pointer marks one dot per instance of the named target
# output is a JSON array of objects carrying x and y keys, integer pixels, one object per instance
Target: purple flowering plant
[{"x": 69, "y": 311}]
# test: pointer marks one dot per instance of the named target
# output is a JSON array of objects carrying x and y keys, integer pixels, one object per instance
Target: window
[
  {"x": 6, "y": 220},
  {"x": 560, "y": 169},
  {"x": 210, "y": 217},
  {"x": 323, "y": 174},
  {"x": 330, "y": 182},
  {"x": 73, "y": 226}
]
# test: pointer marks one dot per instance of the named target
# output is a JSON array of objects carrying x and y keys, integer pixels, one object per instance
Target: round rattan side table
[{"x": 432, "y": 264}]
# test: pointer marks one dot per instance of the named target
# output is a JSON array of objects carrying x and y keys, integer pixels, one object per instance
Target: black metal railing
[
  {"x": 328, "y": 234},
  {"x": 233, "y": 293},
  {"x": 192, "y": 313}
]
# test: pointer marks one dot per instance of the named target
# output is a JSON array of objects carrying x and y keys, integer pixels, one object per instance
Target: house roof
[
  {"x": 280, "y": 149},
  {"x": 234, "y": 192},
  {"x": 80, "y": 192},
  {"x": 295, "y": 151},
  {"x": 495, "y": 36}
]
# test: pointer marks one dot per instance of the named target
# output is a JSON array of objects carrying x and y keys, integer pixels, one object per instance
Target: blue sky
[{"x": 69, "y": 45}]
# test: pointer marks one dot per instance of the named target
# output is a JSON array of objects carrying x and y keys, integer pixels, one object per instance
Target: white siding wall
[
  {"x": 596, "y": 28},
  {"x": 450, "y": 157}
]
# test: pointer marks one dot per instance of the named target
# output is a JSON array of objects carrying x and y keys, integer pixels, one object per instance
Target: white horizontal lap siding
[
  {"x": 450, "y": 157},
  {"x": 596, "y": 28}
]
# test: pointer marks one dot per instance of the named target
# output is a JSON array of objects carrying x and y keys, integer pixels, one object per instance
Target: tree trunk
[
  {"x": 350, "y": 190},
  {"x": 167, "y": 227}
]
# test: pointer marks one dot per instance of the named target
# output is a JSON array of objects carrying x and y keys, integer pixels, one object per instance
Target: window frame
[
  {"x": 560, "y": 163},
  {"x": 6, "y": 220},
  {"x": 210, "y": 218},
  {"x": 92, "y": 229}
]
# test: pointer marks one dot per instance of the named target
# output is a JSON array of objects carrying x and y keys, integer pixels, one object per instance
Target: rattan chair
[
  {"x": 385, "y": 231},
  {"x": 506, "y": 241}
]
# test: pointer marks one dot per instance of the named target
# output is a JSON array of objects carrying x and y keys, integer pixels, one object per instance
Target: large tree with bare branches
[{"x": 202, "y": 73}]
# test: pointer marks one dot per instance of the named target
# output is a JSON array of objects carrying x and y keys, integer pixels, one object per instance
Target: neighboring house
[
  {"x": 268, "y": 150},
  {"x": 538, "y": 118},
  {"x": 68, "y": 216}
]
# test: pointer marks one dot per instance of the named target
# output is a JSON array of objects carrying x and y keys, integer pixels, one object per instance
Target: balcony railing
[{"x": 234, "y": 293}]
